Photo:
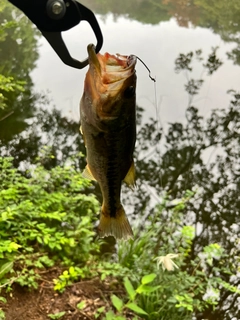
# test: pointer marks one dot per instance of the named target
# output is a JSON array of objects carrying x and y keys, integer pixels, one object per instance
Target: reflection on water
[
  {"x": 170, "y": 157},
  {"x": 158, "y": 46},
  {"x": 220, "y": 16}
]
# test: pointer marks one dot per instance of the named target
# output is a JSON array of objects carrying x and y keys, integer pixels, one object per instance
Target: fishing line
[
  {"x": 153, "y": 79},
  {"x": 157, "y": 114},
  {"x": 159, "y": 124}
]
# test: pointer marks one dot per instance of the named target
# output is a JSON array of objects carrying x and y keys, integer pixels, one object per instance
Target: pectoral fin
[
  {"x": 81, "y": 131},
  {"x": 131, "y": 177},
  {"x": 87, "y": 173}
]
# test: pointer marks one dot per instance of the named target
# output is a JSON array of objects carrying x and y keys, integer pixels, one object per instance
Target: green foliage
[
  {"x": 58, "y": 315},
  {"x": 19, "y": 38},
  {"x": 2, "y": 313},
  {"x": 172, "y": 294},
  {"x": 71, "y": 275},
  {"x": 110, "y": 315},
  {"x": 81, "y": 305},
  {"x": 133, "y": 297},
  {"x": 153, "y": 293},
  {"x": 18, "y": 53},
  {"x": 214, "y": 209},
  {"x": 99, "y": 312},
  {"x": 43, "y": 222},
  {"x": 8, "y": 84},
  {"x": 93, "y": 268},
  {"x": 44, "y": 218}
]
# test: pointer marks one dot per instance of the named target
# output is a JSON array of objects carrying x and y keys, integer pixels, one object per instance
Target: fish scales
[
  {"x": 108, "y": 125},
  {"x": 112, "y": 175}
]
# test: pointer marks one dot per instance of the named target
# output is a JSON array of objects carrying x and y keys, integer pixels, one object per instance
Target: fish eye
[{"x": 129, "y": 92}]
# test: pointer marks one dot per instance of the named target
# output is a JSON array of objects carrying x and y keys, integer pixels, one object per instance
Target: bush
[
  {"x": 44, "y": 218},
  {"x": 166, "y": 289}
]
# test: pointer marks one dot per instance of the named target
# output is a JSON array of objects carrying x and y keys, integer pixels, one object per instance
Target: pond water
[{"x": 158, "y": 46}]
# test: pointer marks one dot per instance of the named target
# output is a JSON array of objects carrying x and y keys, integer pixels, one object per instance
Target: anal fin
[{"x": 130, "y": 178}]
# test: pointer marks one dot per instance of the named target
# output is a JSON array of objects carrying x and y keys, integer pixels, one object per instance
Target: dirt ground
[{"x": 25, "y": 304}]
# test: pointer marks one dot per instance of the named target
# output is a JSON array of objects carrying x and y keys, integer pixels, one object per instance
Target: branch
[{"x": 7, "y": 115}]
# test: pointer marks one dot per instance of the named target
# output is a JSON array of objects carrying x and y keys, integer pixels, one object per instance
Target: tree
[
  {"x": 18, "y": 54},
  {"x": 220, "y": 16},
  {"x": 214, "y": 210}
]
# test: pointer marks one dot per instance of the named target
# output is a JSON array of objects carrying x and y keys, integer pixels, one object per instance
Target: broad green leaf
[
  {"x": 129, "y": 288},
  {"x": 3, "y": 299},
  {"x": 72, "y": 271},
  {"x": 118, "y": 304},
  {"x": 146, "y": 289},
  {"x": 100, "y": 310},
  {"x": 5, "y": 268},
  {"x": 132, "y": 306},
  {"x": 148, "y": 278},
  {"x": 81, "y": 305},
  {"x": 2, "y": 315},
  {"x": 171, "y": 300},
  {"x": 110, "y": 315},
  {"x": 39, "y": 239},
  {"x": 103, "y": 276},
  {"x": 57, "y": 315},
  {"x": 13, "y": 246}
]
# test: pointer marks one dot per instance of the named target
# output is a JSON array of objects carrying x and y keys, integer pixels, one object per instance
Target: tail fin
[{"x": 117, "y": 227}]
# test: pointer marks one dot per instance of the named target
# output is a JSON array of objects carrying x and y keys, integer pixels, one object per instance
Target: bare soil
[{"x": 25, "y": 304}]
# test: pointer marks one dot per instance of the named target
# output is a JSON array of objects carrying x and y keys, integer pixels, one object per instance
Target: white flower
[{"x": 166, "y": 261}]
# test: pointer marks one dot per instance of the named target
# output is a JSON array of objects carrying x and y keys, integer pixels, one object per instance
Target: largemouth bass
[{"x": 108, "y": 125}]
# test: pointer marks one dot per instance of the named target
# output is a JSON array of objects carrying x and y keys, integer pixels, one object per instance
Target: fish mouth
[{"x": 109, "y": 74}]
